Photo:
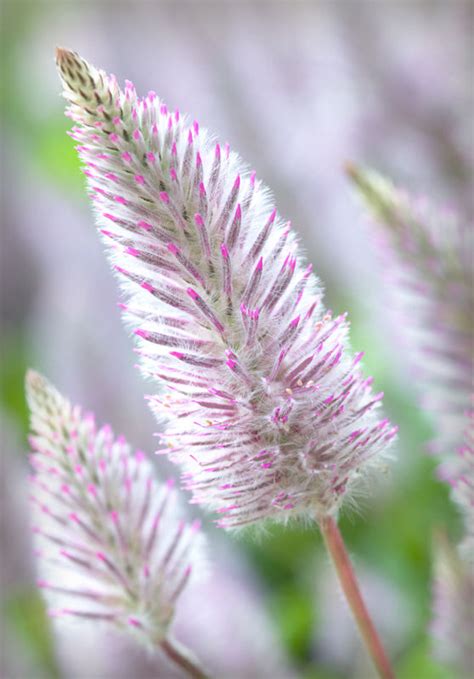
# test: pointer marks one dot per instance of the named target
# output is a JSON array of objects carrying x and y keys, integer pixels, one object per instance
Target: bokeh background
[{"x": 298, "y": 88}]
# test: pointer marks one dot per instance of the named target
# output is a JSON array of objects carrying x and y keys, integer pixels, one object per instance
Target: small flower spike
[
  {"x": 429, "y": 259},
  {"x": 110, "y": 547},
  {"x": 268, "y": 412}
]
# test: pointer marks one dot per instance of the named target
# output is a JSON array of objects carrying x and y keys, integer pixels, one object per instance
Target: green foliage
[
  {"x": 25, "y": 616},
  {"x": 418, "y": 662},
  {"x": 15, "y": 359}
]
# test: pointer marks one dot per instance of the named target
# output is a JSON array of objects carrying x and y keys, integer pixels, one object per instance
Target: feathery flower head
[
  {"x": 269, "y": 413},
  {"x": 429, "y": 254},
  {"x": 110, "y": 547}
]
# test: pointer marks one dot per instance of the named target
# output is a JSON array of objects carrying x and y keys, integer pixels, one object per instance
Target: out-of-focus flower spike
[
  {"x": 428, "y": 260},
  {"x": 101, "y": 557},
  {"x": 429, "y": 256}
]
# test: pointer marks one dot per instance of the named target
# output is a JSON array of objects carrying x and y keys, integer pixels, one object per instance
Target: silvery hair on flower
[{"x": 267, "y": 410}]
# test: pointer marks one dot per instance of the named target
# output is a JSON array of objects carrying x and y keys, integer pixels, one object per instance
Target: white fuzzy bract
[
  {"x": 109, "y": 544},
  {"x": 268, "y": 412}
]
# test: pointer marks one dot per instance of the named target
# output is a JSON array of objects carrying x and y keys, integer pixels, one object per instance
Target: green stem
[{"x": 337, "y": 550}]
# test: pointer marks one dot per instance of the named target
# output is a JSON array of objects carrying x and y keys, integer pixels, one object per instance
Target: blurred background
[{"x": 298, "y": 88}]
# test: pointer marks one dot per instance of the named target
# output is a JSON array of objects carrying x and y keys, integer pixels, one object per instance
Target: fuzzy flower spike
[
  {"x": 110, "y": 547},
  {"x": 269, "y": 414},
  {"x": 266, "y": 409}
]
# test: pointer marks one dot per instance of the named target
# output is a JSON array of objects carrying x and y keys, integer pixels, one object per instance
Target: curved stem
[
  {"x": 182, "y": 657},
  {"x": 337, "y": 550}
]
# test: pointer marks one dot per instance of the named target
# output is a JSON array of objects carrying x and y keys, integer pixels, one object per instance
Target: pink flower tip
[
  {"x": 192, "y": 293},
  {"x": 144, "y": 225},
  {"x": 173, "y": 248},
  {"x": 198, "y": 219},
  {"x": 141, "y": 333},
  {"x": 224, "y": 251},
  {"x": 164, "y": 197},
  {"x": 140, "y": 179},
  {"x": 295, "y": 322}
]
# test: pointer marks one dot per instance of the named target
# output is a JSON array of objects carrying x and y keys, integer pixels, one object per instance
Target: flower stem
[
  {"x": 337, "y": 550},
  {"x": 182, "y": 657}
]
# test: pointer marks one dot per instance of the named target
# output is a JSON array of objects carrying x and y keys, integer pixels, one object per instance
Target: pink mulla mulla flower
[
  {"x": 268, "y": 412},
  {"x": 428, "y": 261},
  {"x": 110, "y": 547}
]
